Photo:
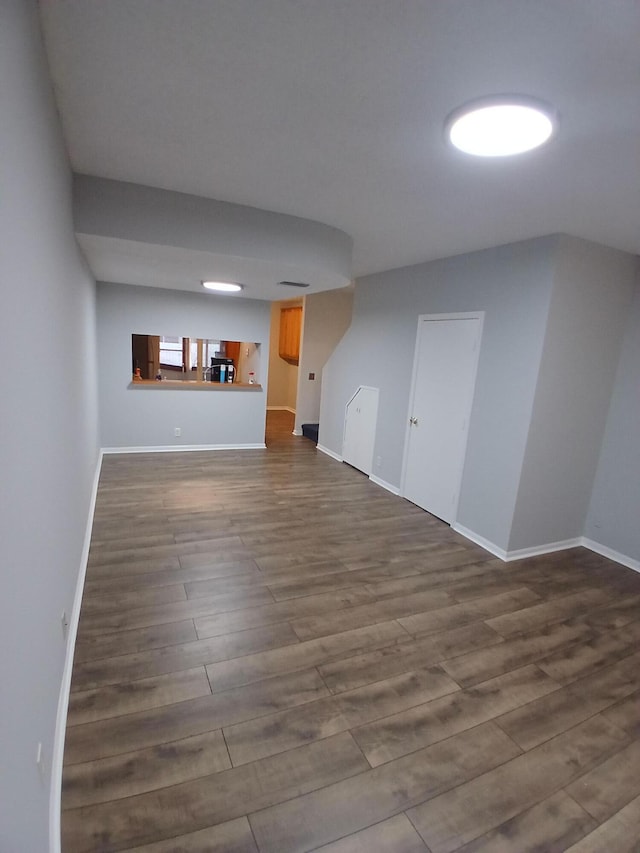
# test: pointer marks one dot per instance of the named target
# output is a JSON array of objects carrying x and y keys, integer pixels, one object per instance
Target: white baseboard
[
  {"x": 521, "y": 553},
  {"x": 281, "y": 409},
  {"x": 55, "y": 794},
  {"x": 328, "y": 452},
  {"x": 178, "y": 448},
  {"x": 480, "y": 540},
  {"x": 549, "y": 548},
  {"x": 610, "y": 554},
  {"x": 297, "y": 432},
  {"x": 383, "y": 483}
]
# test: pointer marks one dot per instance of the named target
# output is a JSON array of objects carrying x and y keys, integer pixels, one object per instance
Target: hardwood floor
[{"x": 275, "y": 655}]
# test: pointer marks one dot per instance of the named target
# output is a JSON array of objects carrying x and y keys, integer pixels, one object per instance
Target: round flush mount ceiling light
[
  {"x": 222, "y": 286},
  {"x": 501, "y": 126}
]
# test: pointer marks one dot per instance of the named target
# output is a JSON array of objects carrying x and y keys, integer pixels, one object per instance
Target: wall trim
[
  {"x": 182, "y": 448},
  {"x": 297, "y": 432},
  {"x": 328, "y": 452},
  {"x": 383, "y": 483},
  {"x": 281, "y": 409},
  {"x": 480, "y": 540},
  {"x": 55, "y": 794},
  {"x": 610, "y": 554},
  {"x": 549, "y": 548}
]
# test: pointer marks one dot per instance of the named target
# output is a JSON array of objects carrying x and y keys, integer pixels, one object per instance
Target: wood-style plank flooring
[{"x": 274, "y": 654}]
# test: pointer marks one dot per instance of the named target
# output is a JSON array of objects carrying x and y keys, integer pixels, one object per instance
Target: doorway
[
  {"x": 444, "y": 374},
  {"x": 282, "y": 388}
]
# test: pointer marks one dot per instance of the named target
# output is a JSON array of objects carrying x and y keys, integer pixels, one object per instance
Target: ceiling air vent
[{"x": 293, "y": 283}]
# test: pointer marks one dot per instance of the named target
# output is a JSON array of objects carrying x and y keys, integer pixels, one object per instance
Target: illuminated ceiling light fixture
[
  {"x": 501, "y": 126},
  {"x": 222, "y": 286}
]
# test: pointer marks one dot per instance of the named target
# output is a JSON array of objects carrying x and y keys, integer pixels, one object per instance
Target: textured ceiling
[{"x": 333, "y": 110}]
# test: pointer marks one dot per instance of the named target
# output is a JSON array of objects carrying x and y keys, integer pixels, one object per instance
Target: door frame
[{"x": 422, "y": 318}]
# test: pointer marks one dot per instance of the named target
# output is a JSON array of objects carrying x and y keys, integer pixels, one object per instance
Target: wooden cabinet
[
  {"x": 232, "y": 350},
  {"x": 290, "y": 324}
]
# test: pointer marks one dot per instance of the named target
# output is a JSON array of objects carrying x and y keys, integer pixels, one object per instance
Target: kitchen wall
[
  {"x": 513, "y": 285},
  {"x": 48, "y": 431},
  {"x": 614, "y": 511},
  {"x": 142, "y": 416},
  {"x": 250, "y": 361}
]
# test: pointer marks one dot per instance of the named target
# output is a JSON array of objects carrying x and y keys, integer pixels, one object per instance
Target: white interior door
[
  {"x": 442, "y": 394},
  {"x": 360, "y": 429}
]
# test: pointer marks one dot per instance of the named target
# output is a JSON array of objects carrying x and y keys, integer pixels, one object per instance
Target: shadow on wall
[{"x": 327, "y": 317}]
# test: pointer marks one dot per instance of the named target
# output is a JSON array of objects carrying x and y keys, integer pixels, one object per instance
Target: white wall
[
  {"x": 327, "y": 317},
  {"x": 291, "y": 400},
  {"x": 555, "y": 312},
  {"x": 151, "y": 215},
  {"x": 592, "y": 292},
  {"x": 48, "y": 434},
  {"x": 144, "y": 416},
  {"x": 614, "y": 513},
  {"x": 512, "y": 284}
]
